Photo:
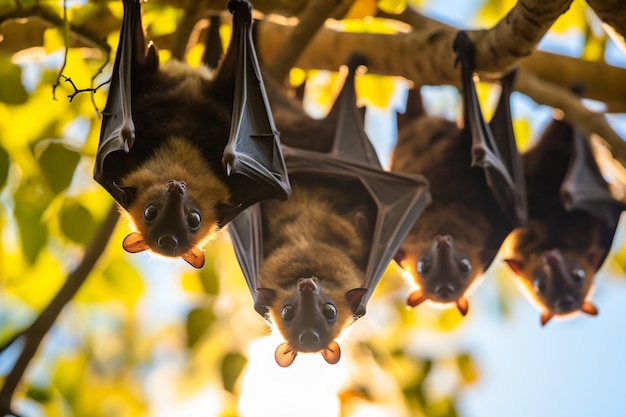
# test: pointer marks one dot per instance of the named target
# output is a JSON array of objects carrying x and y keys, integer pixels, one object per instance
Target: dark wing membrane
[
  {"x": 213, "y": 49},
  {"x": 399, "y": 199},
  {"x": 246, "y": 232},
  {"x": 252, "y": 158},
  {"x": 584, "y": 188},
  {"x": 117, "y": 134},
  {"x": 350, "y": 142},
  {"x": 489, "y": 153}
]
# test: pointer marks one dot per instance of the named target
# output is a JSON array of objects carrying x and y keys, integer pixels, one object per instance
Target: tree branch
[
  {"x": 311, "y": 20},
  {"x": 574, "y": 111},
  {"x": 613, "y": 13},
  {"x": 34, "y": 334}
]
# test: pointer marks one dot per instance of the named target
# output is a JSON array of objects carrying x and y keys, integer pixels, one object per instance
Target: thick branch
[
  {"x": 613, "y": 13},
  {"x": 34, "y": 334},
  {"x": 574, "y": 111},
  {"x": 311, "y": 20}
]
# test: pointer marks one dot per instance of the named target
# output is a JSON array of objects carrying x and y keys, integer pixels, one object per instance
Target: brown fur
[
  {"x": 462, "y": 207},
  {"x": 178, "y": 160},
  {"x": 315, "y": 234},
  {"x": 578, "y": 236}
]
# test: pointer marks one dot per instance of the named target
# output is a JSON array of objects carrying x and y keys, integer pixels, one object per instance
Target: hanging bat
[
  {"x": 181, "y": 150},
  {"x": 476, "y": 184},
  {"x": 313, "y": 261},
  {"x": 571, "y": 224}
]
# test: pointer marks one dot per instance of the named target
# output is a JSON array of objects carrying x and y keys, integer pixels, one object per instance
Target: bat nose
[
  {"x": 565, "y": 303},
  {"x": 309, "y": 338},
  {"x": 444, "y": 290},
  {"x": 177, "y": 187},
  {"x": 307, "y": 284},
  {"x": 443, "y": 241},
  {"x": 168, "y": 240}
]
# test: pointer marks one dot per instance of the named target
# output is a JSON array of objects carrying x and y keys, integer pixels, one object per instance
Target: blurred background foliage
[{"x": 148, "y": 336}]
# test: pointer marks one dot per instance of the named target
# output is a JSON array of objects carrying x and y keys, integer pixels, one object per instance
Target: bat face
[
  {"x": 559, "y": 280},
  {"x": 443, "y": 271},
  {"x": 174, "y": 203},
  {"x": 320, "y": 290}
]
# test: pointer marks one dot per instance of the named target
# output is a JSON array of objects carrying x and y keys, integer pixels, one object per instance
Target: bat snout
[
  {"x": 307, "y": 284},
  {"x": 168, "y": 241},
  {"x": 443, "y": 241},
  {"x": 444, "y": 291},
  {"x": 309, "y": 338},
  {"x": 176, "y": 187},
  {"x": 565, "y": 304}
]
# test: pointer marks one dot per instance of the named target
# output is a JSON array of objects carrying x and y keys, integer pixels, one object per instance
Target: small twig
[
  {"x": 67, "y": 49},
  {"x": 82, "y": 90},
  {"x": 34, "y": 334}
]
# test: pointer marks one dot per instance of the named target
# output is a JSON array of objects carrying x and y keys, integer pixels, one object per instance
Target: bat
[
  {"x": 476, "y": 184},
  {"x": 183, "y": 150},
  {"x": 312, "y": 262},
  {"x": 572, "y": 219}
]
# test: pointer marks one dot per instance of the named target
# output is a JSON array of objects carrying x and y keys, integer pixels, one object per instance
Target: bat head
[
  {"x": 559, "y": 281},
  {"x": 310, "y": 319},
  {"x": 444, "y": 271},
  {"x": 169, "y": 223}
]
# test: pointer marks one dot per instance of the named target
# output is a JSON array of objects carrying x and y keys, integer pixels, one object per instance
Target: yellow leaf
[
  {"x": 194, "y": 55},
  {"x": 361, "y": 9},
  {"x": 522, "y": 130},
  {"x": 297, "y": 76},
  {"x": 574, "y": 18},
  {"x": 392, "y": 6},
  {"x": 53, "y": 40},
  {"x": 375, "y": 90},
  {"x": 493, "y": 11}
]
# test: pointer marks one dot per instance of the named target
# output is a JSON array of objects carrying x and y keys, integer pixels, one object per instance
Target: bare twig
[{"x": 34, "y": 334}]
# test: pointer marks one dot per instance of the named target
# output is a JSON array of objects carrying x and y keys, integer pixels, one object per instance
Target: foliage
[{"x": 148, "y": 336}]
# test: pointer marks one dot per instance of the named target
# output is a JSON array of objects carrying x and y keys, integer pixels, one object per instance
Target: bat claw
[{"x": 238, "y": 6}]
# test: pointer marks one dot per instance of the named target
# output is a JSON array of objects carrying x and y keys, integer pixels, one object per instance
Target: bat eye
[
  {"x": 330, "y": 311},
  {"x": 193, "y": 219},
  {"x": 539, "y": 286},
  {"x": 150, "y": 212},
  {"x": 288, "y": 313},
  {"x": 465, "y": 266},
  {"x": 423, "y": 266},
  {"x": 578, "y": 275}
]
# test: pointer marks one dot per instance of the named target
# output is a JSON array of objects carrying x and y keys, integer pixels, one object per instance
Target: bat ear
[
  {"x": 354, "y": 297},
  {"x": 285, "y": 355},
  {"x": 332, "y": 353},
  {"x": 515, "y": 265},
  {"x": 416, "y": 298},
  {"x": 462, "y": 305},
  {"x": 546, "y": 316},
  {"x": 266, "y": 296},
  {"x": 134, "y": 243},
  {"x": 589, "y": 308},
  {"x": 194, "y": 257}
]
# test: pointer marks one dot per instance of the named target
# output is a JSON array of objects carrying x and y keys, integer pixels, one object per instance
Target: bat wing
[
  {"x": 493, "y": 146},
  {"x": 246, "y": 232},
  {"x": 399, "y": 199},
  {"x": 584, "y": 188},
  {"x": 117, "y": 134},
  {"x": 252, "y": 158}
]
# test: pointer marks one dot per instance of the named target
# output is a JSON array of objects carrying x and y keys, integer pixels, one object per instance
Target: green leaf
[
  {"x": 232, "y": 365},
  {"x": 11, "y": 89},
  {"x": 209, "y": 279},
  {"x": 41, "y": 395},
  {"x": 76, "y": 222},
  {"x": 30, "y": 203},
  {"x": 5, "y": 162},
  {"x": 198, "y": 321},
  {"x": 58, "y": 163}
]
